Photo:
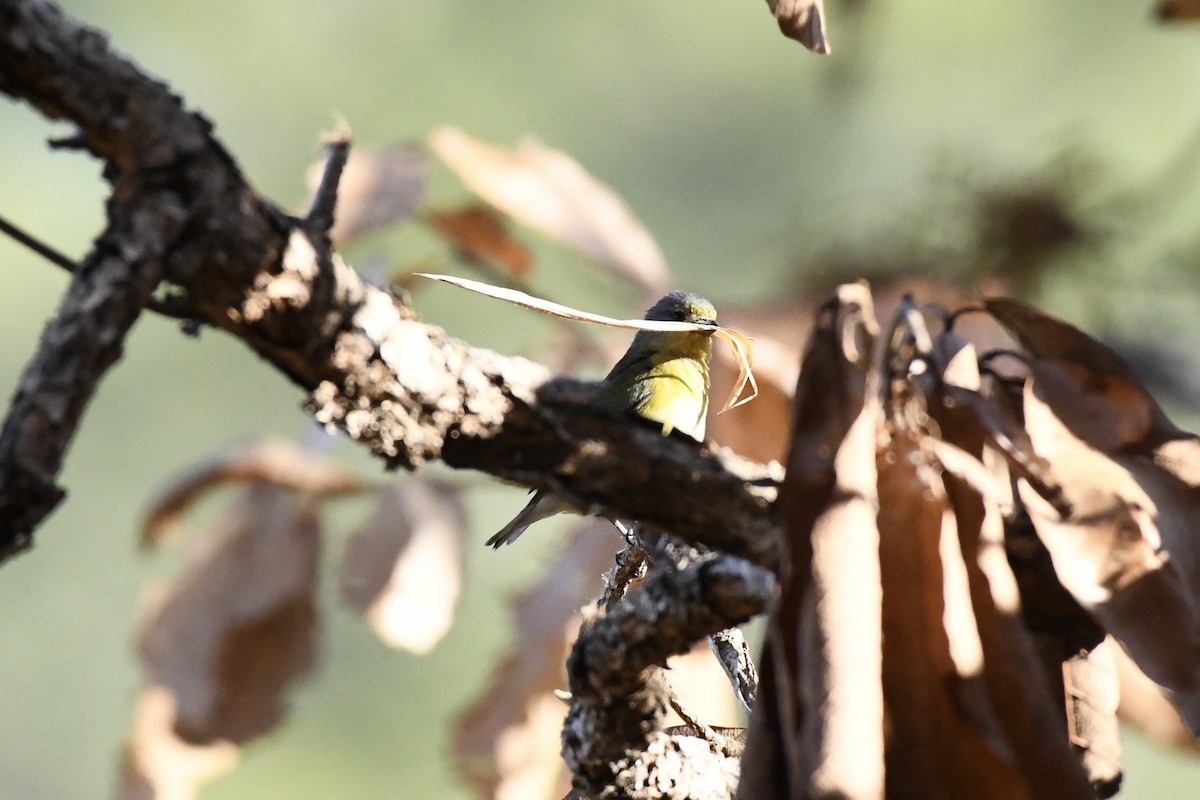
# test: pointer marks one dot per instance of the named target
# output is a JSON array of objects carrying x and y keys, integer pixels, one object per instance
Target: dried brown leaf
[
  {"x": 547, "y": 190},
  {"x": 829, "y": 397},
  {"x": 841, "y": 661},
  {"x": 1178, "y": 10},
  {"x": 239, "y": 628},
  {"x": 1029, "y": 716},
  {"x": 403, "y": 568},
  {"x": 978, "y": 487},
  {"x": 802, "y": 20},
  {"x": 157, "y": 764},
  {"x": 1126, "y": 553},
  {"x": 480, "y": 234},
  {"x": 944, "y": 737},
  {"x": 275, "y": 461},
  {"x": 508, "y": 740},
  {"x": 1094, "y": 392},
  {"x": 377, "y": 188}
]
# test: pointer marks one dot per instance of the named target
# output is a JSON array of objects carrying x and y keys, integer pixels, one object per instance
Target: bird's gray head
[{"x": 680, "y": 306}]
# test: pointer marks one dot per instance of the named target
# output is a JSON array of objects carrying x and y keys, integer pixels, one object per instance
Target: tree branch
[
  {"x": 613, "y": 739},
  {"x": 181, "y": 212}
]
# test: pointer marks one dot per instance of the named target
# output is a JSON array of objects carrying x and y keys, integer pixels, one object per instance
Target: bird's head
[{"x": 680, "y": 306}]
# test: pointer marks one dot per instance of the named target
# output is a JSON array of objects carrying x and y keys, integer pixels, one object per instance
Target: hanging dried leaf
[
  {"x": 978, "y": 487},
  {"x": 840, "y": 669},
  {"x": 157, "y": 764},
  {"x": 403, "y": 568},
  {"x": 377, "y": 188},
  {"x": 1125, "y": 553},
  {"x": 507, "y": 742},
  {"x": 547, "y": 190},
  {"x": 480, "y": 234},
  {"x": 275, "y": 461},
  {"x": 944, "y": 739},
  {"x": 239, "y": 628},
  {"x": 829, "y": 398},
  {"x": 1092, "y": 389},
  {"x": 802, "y": 20}
]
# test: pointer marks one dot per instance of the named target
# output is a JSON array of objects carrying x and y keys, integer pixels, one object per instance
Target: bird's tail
[{"x": 541, "y": 506}]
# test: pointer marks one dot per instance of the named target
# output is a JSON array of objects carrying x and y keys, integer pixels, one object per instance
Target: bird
[{"x": 663, "y": 378}]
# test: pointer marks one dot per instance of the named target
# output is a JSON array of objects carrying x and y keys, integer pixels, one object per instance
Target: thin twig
[
  {"x": 715, "y": 740},
  {"x": 321, "y": 214},
  {"x": 41, "y": 248},
  {"x": 733, "y": 654},
  {"x": 631, "y": 564},
  {"x": 176, "y": 307}
]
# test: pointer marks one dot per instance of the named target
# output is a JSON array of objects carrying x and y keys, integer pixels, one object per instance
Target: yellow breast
[{"x": 676, "y": 395}]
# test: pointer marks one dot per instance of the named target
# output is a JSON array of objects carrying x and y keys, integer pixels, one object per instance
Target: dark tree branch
[
  {"x": 613, "y": 739},
  {"x": 181, "y": 212},
  {"x": 733, "y": 654},
  {"x": 170, "y": 181},
  {"x": 319, "y": 219},
  {"x": 174, "y": 307}
]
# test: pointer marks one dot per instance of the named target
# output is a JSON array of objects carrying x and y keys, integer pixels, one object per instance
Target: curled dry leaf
[
  {"x": 944, "y": 738},
  {"x": 403, "y": 568},
  {"x": 1096, "y": 394},
  {"x": 377, "y": 188},
  {"x": 802, "y": 20},
  {"x": 978, "y": 487},
  {"x": 507, "y": 742},
  {"x": 275, "y": 461},
  {"x": 1125, "y": 553},
  {"x": 840, "y": 671},
  {"x": 157, "y": 764},
  {"x": 547, "y": 190},
  {"x": 480, "y": 234},
  {"x": 829, "y": 398},
  {"x": 739, "y": 342},
  {"x": 1126, "y": 549},
  {"x": 239, "y": 628}
]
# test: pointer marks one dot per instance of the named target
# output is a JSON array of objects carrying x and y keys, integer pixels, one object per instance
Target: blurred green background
[{"x": 758, "y": 166}]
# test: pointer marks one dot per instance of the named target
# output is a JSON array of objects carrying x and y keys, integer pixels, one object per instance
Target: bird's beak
[{"x": 711, "y": 322}]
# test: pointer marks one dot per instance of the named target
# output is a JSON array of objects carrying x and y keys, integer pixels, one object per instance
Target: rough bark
[{"x": 182, "y": 220}]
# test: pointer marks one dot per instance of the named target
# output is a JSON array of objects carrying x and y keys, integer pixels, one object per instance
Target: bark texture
[{"x": 185, "y": 232}]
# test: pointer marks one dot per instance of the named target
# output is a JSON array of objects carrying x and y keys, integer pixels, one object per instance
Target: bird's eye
[{"x": 679, "y": 315}]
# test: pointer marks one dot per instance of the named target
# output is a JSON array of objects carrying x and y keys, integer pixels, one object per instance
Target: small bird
[{"x": 663, "y": 377}]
